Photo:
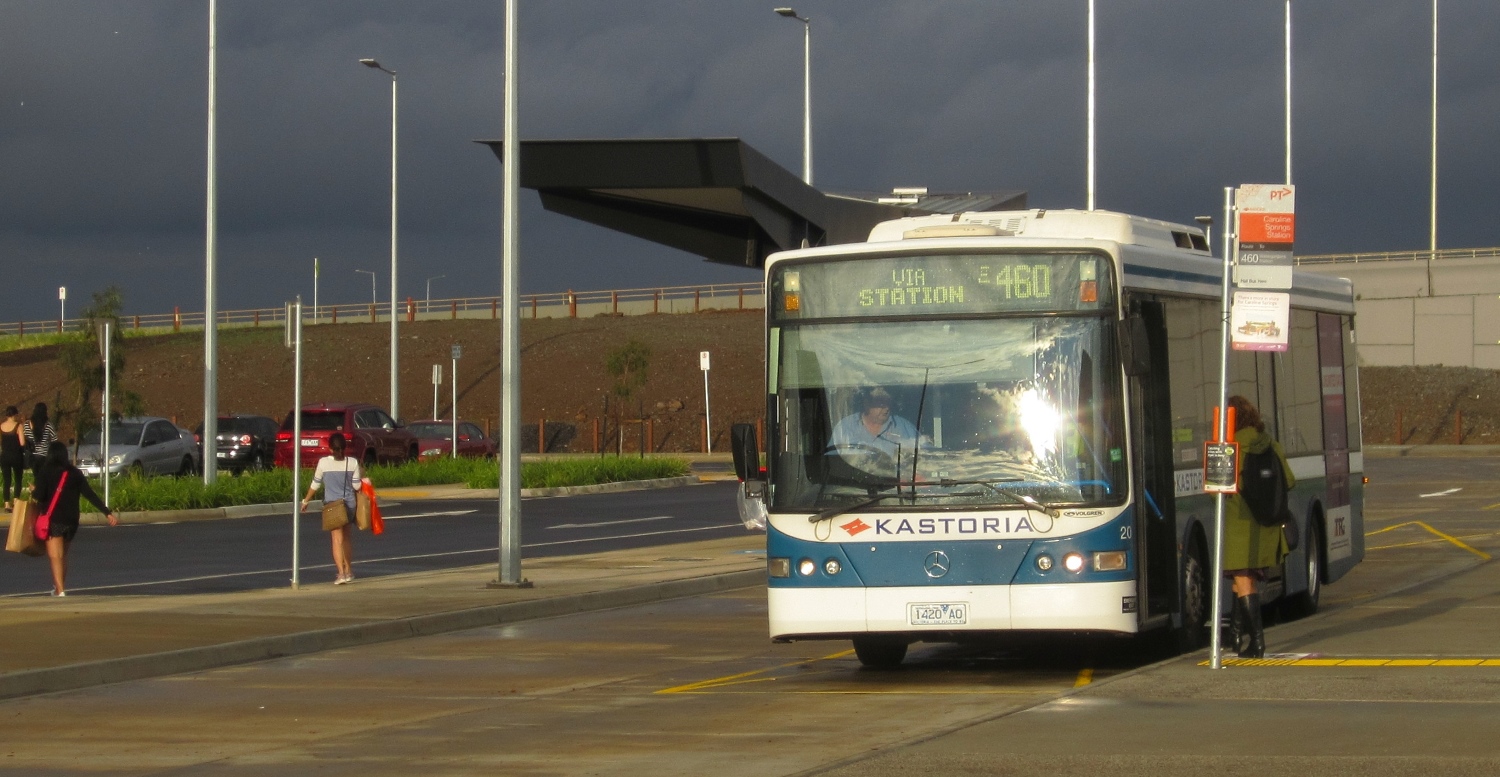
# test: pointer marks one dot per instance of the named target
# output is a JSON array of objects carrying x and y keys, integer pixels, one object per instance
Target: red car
[
  {"x": 372, "y": 436},
  {"x": 435, "y": 438}
]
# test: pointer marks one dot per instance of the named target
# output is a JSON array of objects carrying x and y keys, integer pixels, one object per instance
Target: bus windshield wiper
[
  {"x": 834, "y": 512},
  {"x": 1030, "y": 502}
]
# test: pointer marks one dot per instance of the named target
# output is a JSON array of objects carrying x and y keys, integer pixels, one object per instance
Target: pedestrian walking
[
  {"x": 1250, "y": 546},
  {"x": 12, "y": 454},
  {"x": 59, "y": 486},
  {"x": 39, "y": 438},
  {"x": 340, "y": 477}
]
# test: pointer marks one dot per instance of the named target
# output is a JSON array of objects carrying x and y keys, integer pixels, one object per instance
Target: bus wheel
[
  {"x": 1195, "y": 596},
  {"x": 1306, "y": 602},
  {"x": 877, "y": 653}
]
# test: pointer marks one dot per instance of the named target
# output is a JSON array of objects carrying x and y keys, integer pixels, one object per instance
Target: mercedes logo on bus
[{"x": 936, "y": 564}]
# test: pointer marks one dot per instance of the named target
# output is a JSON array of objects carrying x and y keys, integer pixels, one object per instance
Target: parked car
[
  {"x": 141, "y": 446},
  {"x": 372, "y": 435},
  {"x": 435, "y": 439},
  {"x": 243, "y": 442}
]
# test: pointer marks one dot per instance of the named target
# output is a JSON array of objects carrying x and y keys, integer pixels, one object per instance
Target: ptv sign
[{"x": 1265, "y": 237}]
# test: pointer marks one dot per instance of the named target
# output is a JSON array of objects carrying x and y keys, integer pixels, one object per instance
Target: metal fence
[
  {"x": 563, "y": 304},
  {"x": 1402, "y": 256}
]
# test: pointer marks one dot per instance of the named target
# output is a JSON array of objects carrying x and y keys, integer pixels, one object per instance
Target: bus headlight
[
  {"x": 806, "y": 567},
  {"x": 1109, "y": 561},
  {"x": 1044, "y": 562},
  {"x": 1073, "y": 562},
  {"x": 779, "y": 567},
  {"x": 832, "y": 567}
]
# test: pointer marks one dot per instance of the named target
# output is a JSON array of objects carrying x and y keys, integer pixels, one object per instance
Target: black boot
[
  {"x": 1239, "y": 626},
  {"x": 1255, "y": 644}
]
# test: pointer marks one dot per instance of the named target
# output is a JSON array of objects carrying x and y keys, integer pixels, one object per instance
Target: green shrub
[{"x": 269, "y": 487}]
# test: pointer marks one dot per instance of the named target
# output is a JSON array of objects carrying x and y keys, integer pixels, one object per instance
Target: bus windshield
[{"x": 947, "y": 414}]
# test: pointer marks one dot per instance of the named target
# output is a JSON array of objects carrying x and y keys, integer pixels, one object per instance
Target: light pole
[
  {"x": 211, "y": 259},
  {"x": 510, "y": 326},
  {"x": 1432, "y": 215},
  {"x": 791, "y": 13},
  {"x": 429, "y": 290},
  {"x": 395, "y": 355},
  {"x": 1092, "y": 167},
  {"x": 315, "y": 289},
  {"x": 1288, "y": 92},
  {"x": 370, "y": 273}
]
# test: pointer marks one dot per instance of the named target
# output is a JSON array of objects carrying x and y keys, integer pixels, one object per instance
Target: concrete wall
[{"x": 1398, "y": 324}]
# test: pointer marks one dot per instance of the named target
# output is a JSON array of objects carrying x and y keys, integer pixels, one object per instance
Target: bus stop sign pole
[{"x": 1215, "y": 661}]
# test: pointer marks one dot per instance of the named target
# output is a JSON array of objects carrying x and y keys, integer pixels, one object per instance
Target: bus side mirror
[
  {"x": 746, "y": 449},
  {"x": 1135, "y": 347}
]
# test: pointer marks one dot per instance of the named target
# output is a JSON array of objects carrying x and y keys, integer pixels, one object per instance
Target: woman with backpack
[{"x": 1250, "y": 546}]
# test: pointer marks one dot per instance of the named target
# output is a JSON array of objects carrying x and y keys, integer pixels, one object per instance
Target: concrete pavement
[{"x": 56, "y": 644}]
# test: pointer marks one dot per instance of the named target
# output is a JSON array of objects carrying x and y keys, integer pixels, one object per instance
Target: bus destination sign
[{"x": 932, "y": 285}]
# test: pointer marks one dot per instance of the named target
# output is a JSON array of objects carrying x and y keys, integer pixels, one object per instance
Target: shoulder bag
[
  {"x": 335, "y": 512},
  {"x": 44, "y": 521}
]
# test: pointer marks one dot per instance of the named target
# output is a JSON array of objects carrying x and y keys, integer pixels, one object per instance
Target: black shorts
[{"x": 64, "y": 531}]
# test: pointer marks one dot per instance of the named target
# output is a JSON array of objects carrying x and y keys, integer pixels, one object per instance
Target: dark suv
[
  {"x": 372, "y": 435},
  {"x": 243, "y": 442}
]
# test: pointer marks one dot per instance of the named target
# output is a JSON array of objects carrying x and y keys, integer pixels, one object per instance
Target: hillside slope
[{"x": 565, "y": 382}]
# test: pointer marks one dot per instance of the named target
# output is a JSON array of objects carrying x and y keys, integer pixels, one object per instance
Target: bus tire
[
  {"x": 1196, "y": 593},
  {"x": 1305, "y": 603},
  {"x": 877, "y": 653}
]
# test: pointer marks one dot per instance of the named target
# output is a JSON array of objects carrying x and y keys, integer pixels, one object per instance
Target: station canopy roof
[{"x": 715, "y": 197}]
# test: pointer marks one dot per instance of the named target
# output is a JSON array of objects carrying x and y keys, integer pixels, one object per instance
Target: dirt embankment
[{"x": 565, "y": 382}]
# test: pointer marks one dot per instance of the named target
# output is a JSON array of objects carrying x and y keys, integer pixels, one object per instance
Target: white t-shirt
[{"x": 338, "y": 479}]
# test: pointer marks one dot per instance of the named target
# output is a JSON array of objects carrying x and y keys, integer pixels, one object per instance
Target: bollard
[
  {"x": 533, "y": 308},
  {"x": 21, "y": 331},
  {"x": 257, "y": 318},
  {"x": 572, "y": 304},
  {"x": 411, "y": 310},
  {"x": 614, "y": 303},
  {"x": 742, "y": 298},
  {"x": 372, "y": 313},
  {"x": 176, "y": 319},
  {"x": 335, "y": 314},
  {"x": 697, "y": 295},
  {"x": 656, "y": 302},
  {"x": 137, "y": 322}
]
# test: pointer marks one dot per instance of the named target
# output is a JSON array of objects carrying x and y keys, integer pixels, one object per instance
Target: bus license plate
[{"x": 939, "y": 614}]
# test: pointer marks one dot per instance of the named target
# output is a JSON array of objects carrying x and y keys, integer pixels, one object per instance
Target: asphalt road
[
  {"x": 693, "y": 687},
  {"x": 246, "y": 553}
]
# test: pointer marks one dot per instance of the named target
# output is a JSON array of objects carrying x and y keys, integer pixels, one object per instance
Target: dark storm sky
[{"x": 103, "y": 126}]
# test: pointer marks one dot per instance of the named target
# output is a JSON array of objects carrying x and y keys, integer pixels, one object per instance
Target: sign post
[
  {"x": 437, "y": 380},
  {"x": 293, "y": 340},
  {"x": 458, "y": 351},
  {"x": 708, "y": 427},
  {"x": 62, "y": 306},
  {"x": 103, "y": 342}
]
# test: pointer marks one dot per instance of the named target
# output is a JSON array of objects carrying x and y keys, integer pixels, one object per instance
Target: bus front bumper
[{"x": 836, "y": 613}]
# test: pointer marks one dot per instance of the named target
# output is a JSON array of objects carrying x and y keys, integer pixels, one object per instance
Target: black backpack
[{"x": 1263, "y": 487}]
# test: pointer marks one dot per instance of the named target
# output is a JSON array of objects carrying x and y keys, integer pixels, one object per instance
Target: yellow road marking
[
  {"x": 1085, "y": 676},
  {"x": 1424, "y": 525},
  {"x": 1362, "y": 662},
  {"x": 1420, "y": 543},
  {"x": 731, "y": 679},
  {"x": 1490, "y": 507}
]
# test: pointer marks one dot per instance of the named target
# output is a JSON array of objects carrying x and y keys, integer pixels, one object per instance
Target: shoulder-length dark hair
[{"x": 1245, "y": 414}]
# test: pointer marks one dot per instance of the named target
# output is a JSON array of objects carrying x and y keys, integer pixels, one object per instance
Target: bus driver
[{"x": 874, "y": 428}]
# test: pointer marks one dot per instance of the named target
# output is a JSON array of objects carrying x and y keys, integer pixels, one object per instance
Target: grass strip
[{"x": 171, "y": 493}]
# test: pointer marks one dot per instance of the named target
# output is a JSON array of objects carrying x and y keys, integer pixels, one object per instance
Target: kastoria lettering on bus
[{"x": 981, "y": 526}]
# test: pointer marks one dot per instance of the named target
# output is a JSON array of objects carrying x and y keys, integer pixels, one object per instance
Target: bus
[{"x": 994, "y": 423}]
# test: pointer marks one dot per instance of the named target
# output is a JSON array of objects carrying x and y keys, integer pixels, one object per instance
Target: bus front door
[{"x": 1155, "y": 490}]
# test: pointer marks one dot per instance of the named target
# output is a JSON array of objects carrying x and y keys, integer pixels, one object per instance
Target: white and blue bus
[{"x": 993, "y": 423}]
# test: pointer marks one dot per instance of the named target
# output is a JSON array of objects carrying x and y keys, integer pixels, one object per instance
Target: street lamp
[
  {"x": 791, "y": 13},
  {"x": 429, "y": 287},
  {"x": 395, "y": 357},
  {"x": 370, "y": 273}
]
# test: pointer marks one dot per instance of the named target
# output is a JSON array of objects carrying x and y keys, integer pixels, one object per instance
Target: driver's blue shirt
[{"x": 897, "y": 438}]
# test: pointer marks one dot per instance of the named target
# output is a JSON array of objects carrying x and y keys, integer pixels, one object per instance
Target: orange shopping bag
[{"x": 377, "y": 525}]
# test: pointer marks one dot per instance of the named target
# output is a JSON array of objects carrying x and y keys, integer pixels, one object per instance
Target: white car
[{"x": 141, "y": 446}]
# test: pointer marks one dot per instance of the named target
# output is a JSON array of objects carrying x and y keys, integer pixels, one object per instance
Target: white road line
[
  {"x": 288, "y": 570},
  {"x": 610, "y": 523},
  {"x": 428, "y": 515},
  {"x": 1440, "y": 493}
]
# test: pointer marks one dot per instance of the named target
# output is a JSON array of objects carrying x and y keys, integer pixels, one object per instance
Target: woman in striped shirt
[
  {"x": 339, "y": 476},
  {"x": 39, "y": 438}
]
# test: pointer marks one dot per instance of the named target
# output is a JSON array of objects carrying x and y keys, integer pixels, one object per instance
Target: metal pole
[
  {"x": 807, "y": 176},
  {"x": 510, "y": 350},
  {"x": 708, "y": 426},
  {"x": 210, "y": 280},
  {"x": 1289, "y": 92},
  {"x": 436, "y": 369},
  {"x": 297, "y": 447},
  {"x": 1216, "y": 610},
  {"x": 104, "y": 433},
  {"x": 395, "y": 342},
  {"x": 1092, "y": 171},
  {"x": 1432, "y": 215},
  {"x": 454, "y": 411},
  {"x": 315, "y": 289}
]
